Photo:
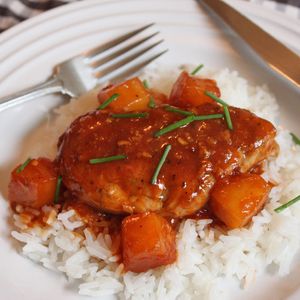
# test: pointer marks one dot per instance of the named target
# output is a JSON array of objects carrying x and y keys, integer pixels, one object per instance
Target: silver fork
[{"x": 82, "y": 73}]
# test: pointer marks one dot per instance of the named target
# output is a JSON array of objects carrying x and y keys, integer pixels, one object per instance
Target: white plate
[{"x": 29, "y": 50}]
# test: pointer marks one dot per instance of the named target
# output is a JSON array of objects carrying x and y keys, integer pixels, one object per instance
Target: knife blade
[{"x": 278, "y": 56}]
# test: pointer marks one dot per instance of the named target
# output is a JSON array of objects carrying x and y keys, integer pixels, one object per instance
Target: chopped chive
[
  {"x": 225, "y": 106},
  {"x": 186, "y": 121},
  {"x": 177, "y": 110},
  {"x": 227, "y": 117},
  {"x": 197, "y": 69},
  {"x": 130, "y": 115},
  {"x": 57, "y": 190},
  {"x": 23, "y": 166},
  {"x": 214, "y": 97},
  {"x": 151, "y": 103},
  {"x": 101, "y": 160},
  {"x": 296, "y": 140},
  {"x": 108, "y": 101},
  {"x": 208, "y": 117},
  {"x": 174, "y": 126},
  {"x": 286, "y": 205},
  {"x": 160, "y": 164},
  {"x": 146, "y": 84}
]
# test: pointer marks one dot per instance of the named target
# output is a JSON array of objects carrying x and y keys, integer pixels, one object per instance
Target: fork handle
[{"x": 53, "y": 85}]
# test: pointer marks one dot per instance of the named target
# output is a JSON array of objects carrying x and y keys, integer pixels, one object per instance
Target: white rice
[{"x": 207, "y": 257}]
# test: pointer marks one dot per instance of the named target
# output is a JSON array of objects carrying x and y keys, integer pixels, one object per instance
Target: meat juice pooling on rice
[{"x": 112, "y": 169}]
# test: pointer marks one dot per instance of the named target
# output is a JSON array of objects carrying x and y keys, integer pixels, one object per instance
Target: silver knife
[{"x": 279, "y": 57}]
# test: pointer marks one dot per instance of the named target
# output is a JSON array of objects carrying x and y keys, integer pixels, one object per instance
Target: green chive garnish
[
  {"x": 101, "y": 160},
  {"x": 208, "y": 117},
  {"x": 197, "y": 69},
  {"x": 23, "y": 166},
  {"x": 286, "y": 205},
  {"x": 57, "y": 190},
  {"x": 227, "y": 117},
  {"x": 151, "y": 103},
  {"x": 186, "y": 121},
  {"x": 225, "y": 106},
  {"x": 145, "y": 83},
  {"x": 160, "y": 164},
  {"x": 296, "y": 140},
  {"x": 108, "y": 101},
  {"x": 177, "y": 110},
  {"x": 130, "y": 115},
  {"x": 214, "y": 97},
  {"x": 174, "y": 126}
]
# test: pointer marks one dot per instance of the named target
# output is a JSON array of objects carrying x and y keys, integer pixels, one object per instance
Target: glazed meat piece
[
  {"x": 148, "y": 241},
  {"x": 130, "y": 95},
  {"x": 189, "y": 90},
  {"x": 35, "y": 185},
  {"x": 236, "y": 199},
  {"x": 202, "y": 152}
]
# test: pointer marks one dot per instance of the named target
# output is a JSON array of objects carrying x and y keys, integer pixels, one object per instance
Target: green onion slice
[
  {"x": 130, "y": 115},
  {"x": 101, "y": 160},
  {"x": 23, "y": 166},
  {"x": 151, "y": 103},
  {"x": 57, "y": 190},
  {"x": 197, "y": 69},
  {"x": 160, "y": 164},
  {"x": 146, "y": 84},
  {"x": 225, "y": 106},
  {"x": 296, "y": 140},
  {"x": 108, "y": 101},
  {"x": 286, "y": 205},
  {"x": 214, "y": 97},
  {"x": 177, "y": 110},
  {"x": 227, "y": 117},
  {"x": 186, "y": 121}
]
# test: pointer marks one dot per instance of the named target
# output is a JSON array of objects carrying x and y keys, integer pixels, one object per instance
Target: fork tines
[
  {"x": 121, "y": 51},
  {"x": 116, "y": 56}
]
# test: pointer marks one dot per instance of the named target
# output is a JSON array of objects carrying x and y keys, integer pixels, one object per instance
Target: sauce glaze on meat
[{"x": 202, "y": 152}]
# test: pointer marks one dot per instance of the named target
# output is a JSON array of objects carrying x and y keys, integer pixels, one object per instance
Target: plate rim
[
  {"x": 55, "y": 12},
  {"x": 23, "y": 28}
]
